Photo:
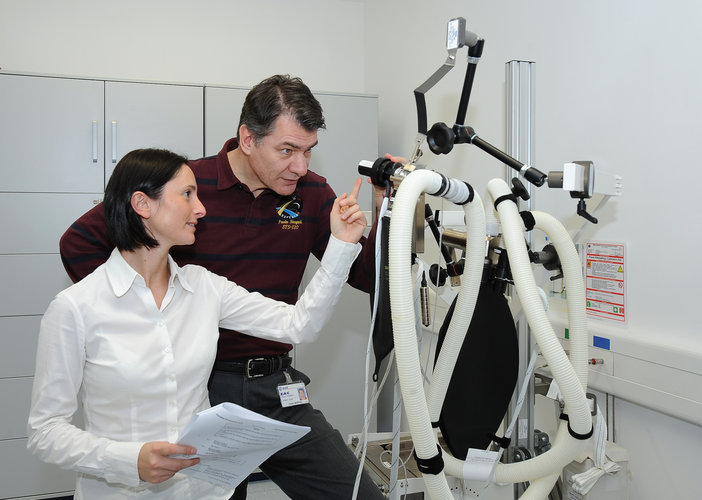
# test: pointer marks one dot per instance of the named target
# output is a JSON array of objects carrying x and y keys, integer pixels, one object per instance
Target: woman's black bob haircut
[{"x": 145, "y": 170}]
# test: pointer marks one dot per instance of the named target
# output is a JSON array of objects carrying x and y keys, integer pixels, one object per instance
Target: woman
[{"x": 135, "y": 341}]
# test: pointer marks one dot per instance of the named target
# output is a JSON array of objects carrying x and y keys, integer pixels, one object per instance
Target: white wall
[
  {"x": 209, "y": 41},
  {"x": 616, "y": 83}
]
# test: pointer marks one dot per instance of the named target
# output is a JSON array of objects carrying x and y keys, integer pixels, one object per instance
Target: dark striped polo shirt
[{"x": 261, "y": 243}]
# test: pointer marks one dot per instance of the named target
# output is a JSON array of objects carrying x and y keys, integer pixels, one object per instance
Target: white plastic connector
[{"x": 573, "y": 177}]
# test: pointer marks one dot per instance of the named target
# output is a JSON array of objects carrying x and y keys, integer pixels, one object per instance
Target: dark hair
[
  {"x": 275, "y": 96},
  {"x": 145, "y": 170}
]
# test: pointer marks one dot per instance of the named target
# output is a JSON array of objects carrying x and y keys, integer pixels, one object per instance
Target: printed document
[{"x": 232, "y": 441}]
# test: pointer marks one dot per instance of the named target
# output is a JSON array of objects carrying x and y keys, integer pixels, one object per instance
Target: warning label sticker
[{"x": 605, "y": 280}]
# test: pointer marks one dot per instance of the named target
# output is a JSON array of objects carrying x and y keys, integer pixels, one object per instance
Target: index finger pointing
[{"x": 356, "y": 188}]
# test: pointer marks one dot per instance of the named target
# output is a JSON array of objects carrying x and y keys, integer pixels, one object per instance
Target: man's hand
[
  {"x": 156, "y": 465},
  {"x": 347, "y": 220},
  {"x": 379, "y": 191}
]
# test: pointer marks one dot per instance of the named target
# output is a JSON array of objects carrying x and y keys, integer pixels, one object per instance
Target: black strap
[
  {"x": 505, "y": 197},
  {"x": 528, "y": 219},
  {"x": 581, "y": 437},
  {"x": 503, "y": 441},
  {"x": 433, "y": 465}
]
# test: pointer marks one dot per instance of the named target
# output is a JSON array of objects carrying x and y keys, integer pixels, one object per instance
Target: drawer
[
  {"x": 23, "y": 475},
  {"x": 14, "y": 416},
  {"x": 39, "y": 219},
  {"x": 18, "y": 338},
  {"x": 30, "y": 283}
]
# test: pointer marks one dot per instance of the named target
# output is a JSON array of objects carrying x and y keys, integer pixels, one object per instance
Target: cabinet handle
[
  {"x": 114, "y": 141},
  {"x": 95, "y": 142}
]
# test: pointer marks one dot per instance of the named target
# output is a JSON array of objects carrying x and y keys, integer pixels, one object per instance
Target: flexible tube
[
  {"x": 565, "y": 447},
  {"x": 465, "y": 305},
  {"x": 403, "y": 321},
  {"x": 575, "y": 296}
]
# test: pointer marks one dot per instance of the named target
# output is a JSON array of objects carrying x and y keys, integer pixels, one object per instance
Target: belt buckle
[{"x": 248, "y": 368}]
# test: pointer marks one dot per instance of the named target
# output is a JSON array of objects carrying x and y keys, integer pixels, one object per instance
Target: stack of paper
[{"x": 232, "y": 441}]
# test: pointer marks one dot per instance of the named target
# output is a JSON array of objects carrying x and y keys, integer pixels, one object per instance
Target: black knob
[
  {"x": 582, "y": 212},
  {"x": 440, "y": 138},
  {"x": 518, "y": 189}
]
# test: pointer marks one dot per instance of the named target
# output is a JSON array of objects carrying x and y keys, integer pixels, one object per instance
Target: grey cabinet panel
[
  {"x": 39, "y": 219},
  {"x": 351, "y": 135},
  {"x": 145, "y": 115},
  {"x": 51, "y": 136},
  {"x": 335, "y": 362},
  {"x": 49, "y": 178},
  {"x": 14, "y": 416},
  {"x": 31, "y": 282},
  {"x": 39, "y": 478},
  {"x": 18, "y": 338},
  {"x": 222, "y": 110}
]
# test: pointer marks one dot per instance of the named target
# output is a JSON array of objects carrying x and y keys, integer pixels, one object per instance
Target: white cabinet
[
  {"x": 60, "y": 139},
  {"x": 66, "y": 135},
  {"x": 51, "y": 138},
  {"x": 18, "y": 338},
  {"x": 351, "y": 135},
  {"x": 222, "y": 110},
  {"x": 24, "y": 477},
  {"x": 148, "y": 115}
]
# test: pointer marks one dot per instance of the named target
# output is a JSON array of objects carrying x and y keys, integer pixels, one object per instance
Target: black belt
[{"x": 255, "y": 367}]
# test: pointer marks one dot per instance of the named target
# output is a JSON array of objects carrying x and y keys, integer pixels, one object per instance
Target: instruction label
[{"x": 605, "y": 280}]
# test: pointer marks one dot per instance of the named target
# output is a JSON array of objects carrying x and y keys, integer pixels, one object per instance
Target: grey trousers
[{"x": 319, "y": 466}]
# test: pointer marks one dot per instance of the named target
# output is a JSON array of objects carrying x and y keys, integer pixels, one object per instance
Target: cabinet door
[
  {"x": 222, "y": 110},
  {"x": 31, "y": 281},
  {"x": 18, "y": 338},
  {"x": 146, "y": 115},
  {"x": 39, "y": 219},
  {"x": 336, "y": 361},
  {"x": 51, "y": 138},
  {"x": 351, "y": 135},
  {"x": 22, "y": 475}
]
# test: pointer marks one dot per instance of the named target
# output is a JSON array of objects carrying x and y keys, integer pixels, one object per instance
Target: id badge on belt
[{"x": 292, "y": 393}]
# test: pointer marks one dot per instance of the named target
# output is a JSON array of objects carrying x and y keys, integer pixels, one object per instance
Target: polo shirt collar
[
  {"x": 225, "y": 174},
  {"x": 121, "y": 276}
]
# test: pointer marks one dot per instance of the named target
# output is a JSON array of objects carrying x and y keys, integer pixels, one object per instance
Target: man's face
[{"x": 283, "y": 156}]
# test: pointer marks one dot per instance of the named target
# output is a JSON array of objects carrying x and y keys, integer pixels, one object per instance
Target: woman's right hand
[{"x": 155, "y": 463}]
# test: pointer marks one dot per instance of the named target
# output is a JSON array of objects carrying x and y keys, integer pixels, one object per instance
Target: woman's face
[{"x": 175, "y": 214}]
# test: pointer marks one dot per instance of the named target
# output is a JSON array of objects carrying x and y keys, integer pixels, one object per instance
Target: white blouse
[{"x": 140, "y": 373}]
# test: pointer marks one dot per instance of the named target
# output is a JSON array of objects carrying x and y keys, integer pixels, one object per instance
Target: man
[{"x": 266, "y": 213}]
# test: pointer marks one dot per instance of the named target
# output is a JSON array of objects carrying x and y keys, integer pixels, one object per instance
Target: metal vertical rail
[{"x": 520, "y": 145}]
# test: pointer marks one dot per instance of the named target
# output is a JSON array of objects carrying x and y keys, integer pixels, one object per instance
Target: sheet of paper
[{"x": 232, "y": 441}]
